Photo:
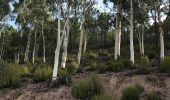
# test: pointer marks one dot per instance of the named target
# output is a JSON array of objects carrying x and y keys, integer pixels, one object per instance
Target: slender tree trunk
[
  {"x": 85, "y": 42},
  {"x": 34, "y": 49},
  {"x": 80, "y": 44},
  {"x": 43, "y": 38},
  {"x": 131, "y": 33},
  {"x": 116, "y": 40},
  {"x": 57, "y": 51},
  {"x": 119, "y": 37},
  {"x": 27, "y": 48},
  {"x": 161, "y": 38},
  {"x": 142, "y": 45},
  {"x": 141, "y": 40},
  {"x": 65, "y": 44}
]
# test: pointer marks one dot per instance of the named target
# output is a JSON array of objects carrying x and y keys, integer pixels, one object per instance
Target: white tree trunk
[
  {"x": 65, "y": 44},
  {"x": 35, "y": 43},
  {"x": 142, "y": 45},
  {"x": 116, "y": 40},
  {"x": 27, "y": 48},
  {"x": 57, "y": 51},
  {"x": 80, "y": 43},
  {"x": 43, "y": 38},
  {"x": 131, "y": 33},
  {"x": 119, "y": 36},
  {"x": 161, "y": 44},
  {"x": 85, "y": 42}
]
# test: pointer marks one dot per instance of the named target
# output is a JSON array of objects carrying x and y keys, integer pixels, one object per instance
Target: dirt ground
[{"x": 114, "y": 83}]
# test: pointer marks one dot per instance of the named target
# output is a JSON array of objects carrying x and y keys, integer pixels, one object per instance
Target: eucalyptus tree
[
  {"x": 66, "y": 31},
  {"x": 82, "y": 8},
  {"x": 157, "y": 8}
]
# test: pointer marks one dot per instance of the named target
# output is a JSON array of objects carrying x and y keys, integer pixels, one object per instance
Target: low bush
[
  {"x": 72, "y": 68},
  {"x": 64, "y": 77},
  {"x": 93, "y": 66},
  {"x": 144, "y": 67},
  {"x": 88, "y": 88},
  {"x": 126, "y": 63},
  {"x": 102, "y": 97},
  {"x": 102, "y": 67},
  {"x": 24, "y": 70},
  {"x": 42, "y": 74},
  {"x": 10, "y": 75},
  {"x": 131, "y": 93},
  {"x": 165, "y": 65},
  {"x": 153, "y": 96},
  {"x": 115, "y": 66}
]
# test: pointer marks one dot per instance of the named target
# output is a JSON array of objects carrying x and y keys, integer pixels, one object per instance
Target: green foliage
[
  {"x": 143, "y": 67},
  {"x": 65, "y": 77},
  {"x": 102, "y": 97},
  {"x": 42, "y": 74},
  {"x": 88, "y": 88},
  {"x": 102, "y": 67},
  {"x": 151, "y": 54},
  {"x": 25, "y": 70},
  {"x": 72, "y": 68},
  {"x": 10, "y": 75},
  {"x": 126, "y": 63},
  {"x": 165, "y": 65},
  {"x": 153, "y": 96},
  {"x": 131, "y": 93},
  {"x": 93, "y": 66},
  {"x": 115, "y": 66}
]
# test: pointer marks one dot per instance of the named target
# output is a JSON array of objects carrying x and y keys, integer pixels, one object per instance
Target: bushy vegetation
[
  {"x": 144, "y": 66},
  {"x": 102, "y": 97},
  {"x": 165, "y": 65},
  {"x": 93, "y": 66},
  {"x": 126, "y": 63},
  {"x": 102, "y": 67},
  {"x": 72, "y": 67},
  {"x": 132, "y": 92},
  {"x": 88, "y": 88},
  {"x": 153, "y": 96},
  {"x": 10, "y": 75},
  {"x": 64, "y": 77},
  {"x": 115, "y": 66},
  {"x": 42, "y": 73},
  {"x": 25, "y": 70}
]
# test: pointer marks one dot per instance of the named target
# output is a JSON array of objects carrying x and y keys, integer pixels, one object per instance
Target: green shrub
[
  {"x": 101, "y": 67},
  {"x": 153, "y": 96},
  {"x": 102, "y": 97},
  {"x": 72, "y": 68},
  {"x": 165, "y": 65},
  {"x": 64, "y": 77},
  {"x": 131, "y": 93},
  {"x": 143, "y": 67},
  {"x": 24, "y": 70},
  {"x": 151, "y": 54},
  {"x": 126, "y": 63},
  {"x": 145, "y": 60},
  {"x": 10, "y": 75},
  {"x": 42, "y": 74},
  {"x": 88, "y": 88},
  {"x": 115, "y": 66},
  {"x": 93, "y": 66}
]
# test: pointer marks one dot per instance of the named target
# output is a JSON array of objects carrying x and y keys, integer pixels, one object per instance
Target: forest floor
[{"x": 114, "y": 83}]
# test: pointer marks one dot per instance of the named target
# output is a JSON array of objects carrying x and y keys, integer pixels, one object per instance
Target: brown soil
[{"x": 114, "y": 83}]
